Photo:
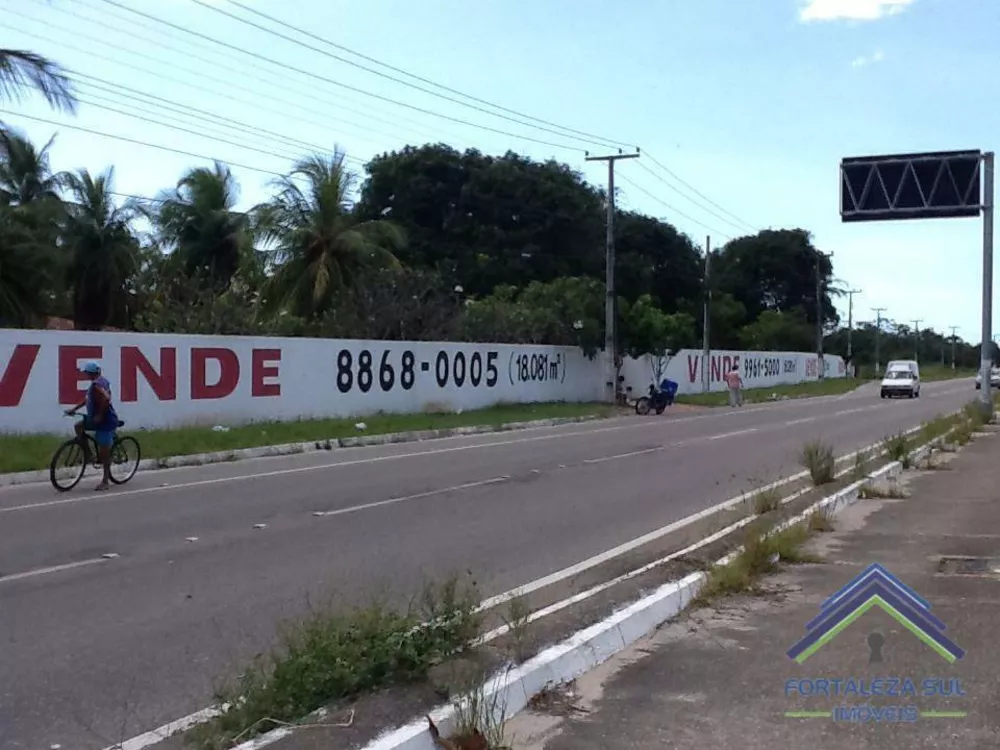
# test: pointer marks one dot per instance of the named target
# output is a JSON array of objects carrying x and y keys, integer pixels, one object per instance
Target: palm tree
[
  {"x": 26, "y": 175},
  {"x": 21, "y": 70},
  {"x": 197, "y": 221},
  {"x": 320, "y": 245},
  {"x": 104, "y": 252},
  {"x": 31, "y": 209},
  {"x": 23, "y": 279}
]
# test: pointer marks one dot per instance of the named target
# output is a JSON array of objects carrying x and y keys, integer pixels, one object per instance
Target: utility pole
[
  {"x": 819, "y": 319},
  {"x": 916, "y": 335},
  {"x": 878, "y": 330},
  {"x": 953, "y": 329},
  {"x": 706, "y": 341},
  {"x": 850, "y": 322},
  {"x": 610, "y": 305}
]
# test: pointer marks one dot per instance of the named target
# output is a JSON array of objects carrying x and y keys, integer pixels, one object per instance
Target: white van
[{"x": 902, "y": 378}]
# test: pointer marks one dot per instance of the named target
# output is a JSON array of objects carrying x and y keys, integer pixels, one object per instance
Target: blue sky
[{"x": 752, "y": 102}]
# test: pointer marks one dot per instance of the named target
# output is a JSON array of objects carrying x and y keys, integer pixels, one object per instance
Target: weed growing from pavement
[
  {"x": 330, "y": 656},
  {"x": 862, "y": 465},
  {"x": 889, "y": 491},
  {"x": 516, "y": 620},
  {"x": 760, "y": 555},
  {"x": 897, "y": 448},
  {"x": 820, "y": 522},
  {"x": 818, "y": 458},
  {"x": 479, "y": 719},
  {"x": 766, "y": 501}
]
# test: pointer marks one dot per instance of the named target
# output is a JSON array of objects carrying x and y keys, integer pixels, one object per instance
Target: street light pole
[
  {"x": 850, "y": 320},
  {"x": 916, "y": 346}
]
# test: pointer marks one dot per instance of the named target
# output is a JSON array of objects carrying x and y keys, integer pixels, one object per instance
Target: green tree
[
  {"x": 564, "y": 312},
  {"x": 653, "y": 258},
  {"x": 30, "y": 263},
  {"x": 103, "y": 251},
  {"x": 320, "y": 244},
  {"x": 485, "y": 221},
  {"x": 776, "y": 270},
  {"x": 197, "y": 222},
  {"x": 646, "y": 329},
  {"x": 779, "y": 331}
]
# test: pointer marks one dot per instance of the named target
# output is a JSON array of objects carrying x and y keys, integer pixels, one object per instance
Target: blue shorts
[{"x": 104, "y": 438}]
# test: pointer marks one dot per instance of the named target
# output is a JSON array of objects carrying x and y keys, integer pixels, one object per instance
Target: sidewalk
[{"x": 718, "y": 677}]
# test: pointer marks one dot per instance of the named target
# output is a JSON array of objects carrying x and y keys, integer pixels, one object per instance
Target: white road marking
[
  {"x": 157, "y": 735},
  {"x": 56, "y": 568},
  {"x": 801, "y": 421},
  {"x": 102, "y": 497},
  {"x": 394, "y": 500},
  {"x": 738, "y": 432}
]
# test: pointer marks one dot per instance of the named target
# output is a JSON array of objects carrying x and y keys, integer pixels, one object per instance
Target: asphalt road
[{"x": 94, "y": 654}]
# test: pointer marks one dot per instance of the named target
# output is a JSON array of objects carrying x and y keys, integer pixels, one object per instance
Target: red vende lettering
[
  {"x": 261, "y": 368},
  {"x": 229, "y": 375},
  {"x": 163, "y": 383},
  {"x": 69, "y": 371},
  {"x": 15, "y": 376},
  {"x": 692, "y": 367}
]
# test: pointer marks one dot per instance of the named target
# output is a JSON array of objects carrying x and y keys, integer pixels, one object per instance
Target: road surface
[{"x": 97, "y": 650}]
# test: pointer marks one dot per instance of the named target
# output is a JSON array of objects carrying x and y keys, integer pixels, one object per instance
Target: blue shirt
[{"x": 110, "y": 421}]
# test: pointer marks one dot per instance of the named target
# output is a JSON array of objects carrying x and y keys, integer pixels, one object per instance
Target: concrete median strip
[{"x": 512, "y": 690}]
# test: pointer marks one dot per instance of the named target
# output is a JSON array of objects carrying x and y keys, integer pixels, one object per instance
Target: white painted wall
[
  {"x": 167, "y": 380},
  {"x": 758, "y": 369}
]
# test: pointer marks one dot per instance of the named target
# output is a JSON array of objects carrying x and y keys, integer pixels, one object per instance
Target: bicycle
[{"x": 125, "y": 454}]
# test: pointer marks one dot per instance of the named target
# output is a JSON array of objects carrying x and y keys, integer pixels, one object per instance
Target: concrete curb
[
  {"x": 290, "y": 449},
  {"x": 509, "y": 692}
]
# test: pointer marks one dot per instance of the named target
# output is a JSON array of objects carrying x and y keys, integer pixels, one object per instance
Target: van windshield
[{"x": 898, "y": 375}]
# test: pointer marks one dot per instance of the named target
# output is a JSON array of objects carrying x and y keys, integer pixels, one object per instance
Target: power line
[
  {"x": 339, "y": 104},
  {"x": 179, "y": 107},
  {"x": 340, "y": 84},
  {"x": 181, "y": 129},
  {"x": 137, "y": 142},
  {"x": 562, "y": 131},
  {"x": 227, "y": 84},
  {"x": 716, "y": 214},
  {"x": 674, "y": 209},
  {"x": 693, "y": 189}
]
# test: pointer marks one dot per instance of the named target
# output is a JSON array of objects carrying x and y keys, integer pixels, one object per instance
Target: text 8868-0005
[{"x": 390, "y": 369}]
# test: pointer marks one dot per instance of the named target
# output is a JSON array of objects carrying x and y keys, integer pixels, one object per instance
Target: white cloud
[
  {"x": 856, "y": 10},
  {"x": 875, "y": 57}
]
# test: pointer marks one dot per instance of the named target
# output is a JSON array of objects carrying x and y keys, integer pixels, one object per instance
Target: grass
[
  {"x": 818, "y": 458},
  {"x": 760, "y": 556},
  {"x": 897, "y": 448},
  {"x": 930, "y": 373},
  {"x": 820, "y": 522},
  {"x": 766, "y": 501},
  {"x": 871, "y": 491},
  {"x": 480, "y": 720},
  {"x": 862, "y": 464},
  {"x": 27, "y": 452},
  {"x": 517, "y": 620},
  {"x": 825, "y": 387},
  {"x": 330, "y": 656}
]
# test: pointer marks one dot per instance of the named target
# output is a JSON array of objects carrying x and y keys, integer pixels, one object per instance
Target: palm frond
[{"x": 21, "y": 70}]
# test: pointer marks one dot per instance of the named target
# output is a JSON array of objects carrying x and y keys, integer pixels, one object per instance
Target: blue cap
[{"x": 92, "y": 367}]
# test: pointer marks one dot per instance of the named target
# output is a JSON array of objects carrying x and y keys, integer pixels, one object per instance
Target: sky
[{"x": 750, "y": 104}]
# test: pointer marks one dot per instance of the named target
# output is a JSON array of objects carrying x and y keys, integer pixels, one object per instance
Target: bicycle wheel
[
  {"x": 642, "y": 406},
  {"x": 68, "y": 466},
  {"x": 124, "y": 459}
]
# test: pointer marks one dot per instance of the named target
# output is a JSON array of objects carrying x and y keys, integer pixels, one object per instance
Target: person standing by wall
[{"x": 735, "y": 383}]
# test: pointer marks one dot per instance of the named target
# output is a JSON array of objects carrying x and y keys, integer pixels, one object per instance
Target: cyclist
[{"x": 101, "y": 418}]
